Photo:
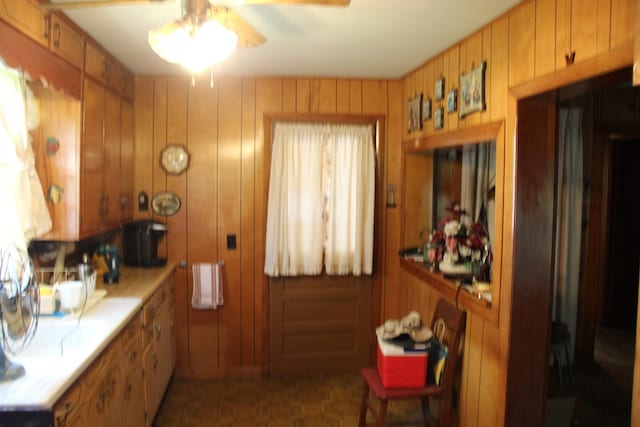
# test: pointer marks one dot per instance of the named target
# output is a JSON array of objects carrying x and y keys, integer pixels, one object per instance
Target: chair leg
[
  {"x": 382, "y": 413},
  {"x": 362, "y": 421},
  {"x": 559, "y": 364},
  {"x": 426, "y": 412},
  {"x": 566, "y": 353}
]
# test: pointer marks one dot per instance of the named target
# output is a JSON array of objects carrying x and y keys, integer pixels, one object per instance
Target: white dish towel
[{"x": 207, "y": 286}]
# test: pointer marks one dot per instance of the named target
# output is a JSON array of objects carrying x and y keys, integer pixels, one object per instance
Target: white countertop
[{"x": 49, "y": 373}]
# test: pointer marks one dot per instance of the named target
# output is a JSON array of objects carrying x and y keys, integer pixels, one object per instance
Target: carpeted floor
[{"x": 324, "y": 400}]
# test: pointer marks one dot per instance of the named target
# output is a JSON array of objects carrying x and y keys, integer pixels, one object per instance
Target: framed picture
[
  {"x": 472, "y": 90},
  {"x": 426, "y": 109},
  {"x": 414, "y": 113},
  {"x": 438, "y": 118},
  {"x": 452, "y": 101},
  {"x": 439, "y": 89}
]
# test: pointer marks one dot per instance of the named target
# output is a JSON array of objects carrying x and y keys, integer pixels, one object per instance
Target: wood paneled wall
[
  {"x": 224, "y": 192},
  {"x": 525, "y": 52}
]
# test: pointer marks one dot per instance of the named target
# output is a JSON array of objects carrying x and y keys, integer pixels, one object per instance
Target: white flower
[
  {"x": 465, "y": 251},
  {"x": 451, "y": 228}
]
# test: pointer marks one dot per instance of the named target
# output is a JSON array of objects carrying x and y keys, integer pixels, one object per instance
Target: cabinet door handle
[
  {"x": 47, "y": 23},
  {"x": 56, "y": 35},
  {"x": 158, "y": 331}
]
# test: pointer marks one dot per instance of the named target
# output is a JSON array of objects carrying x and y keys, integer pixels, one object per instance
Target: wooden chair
[{"x": 454, "y": 321}]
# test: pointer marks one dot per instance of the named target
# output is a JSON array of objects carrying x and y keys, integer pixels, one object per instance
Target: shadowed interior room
[{"x": 319, "y": 212}]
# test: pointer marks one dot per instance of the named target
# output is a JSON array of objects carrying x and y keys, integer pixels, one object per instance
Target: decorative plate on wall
[
  {"x": 174, "y": 159},
  {"x": 165, "y": 203}
]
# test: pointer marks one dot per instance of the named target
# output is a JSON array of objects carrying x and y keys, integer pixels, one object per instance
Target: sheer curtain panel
[{"x": 321, "y": 200}]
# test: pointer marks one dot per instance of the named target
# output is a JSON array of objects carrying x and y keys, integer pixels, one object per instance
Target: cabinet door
[
  {"x": 92, "y": 159},
  {"x": 27, "y": 17},
  {"x": 97, "y": 404},
  {"x": 112, "y": 159},
  {"x": 152, "y": 392},
  {"x": 133, "y": 405},
  {"x": 126, "y": 162},
  {"x": 66, "y": 42},
  {"x": 94, "y": 62}
]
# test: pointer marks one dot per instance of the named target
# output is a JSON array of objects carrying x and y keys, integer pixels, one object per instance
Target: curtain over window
[
  {"x": 321, "y": 200},
  {"x": 24, "y": 215}
]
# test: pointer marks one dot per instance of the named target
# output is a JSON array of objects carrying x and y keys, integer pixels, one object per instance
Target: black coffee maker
[{"x": 140, "y": 243}]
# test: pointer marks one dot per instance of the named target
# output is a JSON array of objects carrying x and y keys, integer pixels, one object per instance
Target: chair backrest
[{"x": 454, "y": 321}]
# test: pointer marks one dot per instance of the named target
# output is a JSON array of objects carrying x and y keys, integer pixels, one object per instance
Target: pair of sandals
[{"x": 411, "y": 324}]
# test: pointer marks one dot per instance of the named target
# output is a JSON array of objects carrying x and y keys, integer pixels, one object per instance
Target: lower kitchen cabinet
[
  {"x": 159, "y": 343},
  {"x": 125, "y": 385}
]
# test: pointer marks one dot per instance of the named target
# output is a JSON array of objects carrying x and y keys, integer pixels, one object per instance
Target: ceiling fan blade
[
  {"x": 91, "y": 3},
  {"x": 309, "y": 2},
  {"x": 247, "y": 35}
]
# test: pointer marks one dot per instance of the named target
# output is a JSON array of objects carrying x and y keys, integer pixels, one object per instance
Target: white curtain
[
  {"x": 321, "y": 193},
  {"x": 24, "y": 214},
  {"x": 350, "y": 190},
  {"x": 568, "y": 218},
  {"x": 478, "y": 177}
]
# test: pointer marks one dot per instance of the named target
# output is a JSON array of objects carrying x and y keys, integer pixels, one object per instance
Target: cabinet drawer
[
  {"x": 68, "y": 411},
  {"x": 131, "y": 332},
  {"x": 153, "y": 305}
]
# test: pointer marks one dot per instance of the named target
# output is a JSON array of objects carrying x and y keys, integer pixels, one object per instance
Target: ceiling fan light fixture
[{"x": 195, "y": 46}]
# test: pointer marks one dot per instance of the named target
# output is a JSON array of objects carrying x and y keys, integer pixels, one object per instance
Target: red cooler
[{"x": 399, "y": 368}]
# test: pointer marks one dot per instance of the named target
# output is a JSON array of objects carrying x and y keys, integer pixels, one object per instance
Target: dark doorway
[{"x": 621, "y": 294}]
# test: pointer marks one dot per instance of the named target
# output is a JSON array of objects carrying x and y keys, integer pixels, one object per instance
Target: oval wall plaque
[{"x": 165, "y": 203}]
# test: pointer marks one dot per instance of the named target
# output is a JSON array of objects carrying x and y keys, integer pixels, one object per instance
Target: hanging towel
[{"x": 207, "y": 286}]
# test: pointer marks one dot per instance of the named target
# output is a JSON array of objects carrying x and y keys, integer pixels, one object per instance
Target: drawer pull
[{"x": 56, "y": 35}]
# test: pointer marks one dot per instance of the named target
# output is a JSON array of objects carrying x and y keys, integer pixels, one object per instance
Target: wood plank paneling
[
  {"x": 289, "y": 95},
  {"x": 545, "y": 37},
  {"x": 355, "y": 96},
  {"x": 343, "y": 96},
  {"x": 228, "y": 206},
  {"x": 454, "y": 79},
  {"x": 247, "y": 224},
  {"x": 268, "y": 100},
  {"x": 177, "y": 112},
  {"x": 487, "y": 41},
  {"x": 521, "y": 43},
  {"x": 202, "y": 219},
  {"x": 623, "y": 22},
  {"x": 303, "y": 89},
  {"x": 143, "y": 146},
  {"x": 499, "y": 65},
  {"x": 563, "y": 32},
  {"x": 159, "y": 182}
]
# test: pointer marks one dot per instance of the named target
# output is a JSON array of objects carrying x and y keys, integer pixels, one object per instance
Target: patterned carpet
[{"x": 327, "y": 400}]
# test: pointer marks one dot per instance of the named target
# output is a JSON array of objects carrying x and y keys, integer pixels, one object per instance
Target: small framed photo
[
  {"x": 426, "y": 109},
  {"x": 452, "y": 101},
  {"x": 439, "y": 89},
  {"x": 472, "y": 90},
  {"x": 414, "y": 119},
  {"x": 438, "y": 118}
]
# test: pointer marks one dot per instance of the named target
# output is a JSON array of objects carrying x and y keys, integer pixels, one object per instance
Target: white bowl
[{"x": 73, "y": 294}]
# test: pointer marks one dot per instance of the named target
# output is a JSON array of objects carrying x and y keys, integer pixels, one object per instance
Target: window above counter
[{"x": 451, "y": 217}]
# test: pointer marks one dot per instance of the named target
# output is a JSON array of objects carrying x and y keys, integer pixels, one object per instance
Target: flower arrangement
[{"x": 455, "y": 247}]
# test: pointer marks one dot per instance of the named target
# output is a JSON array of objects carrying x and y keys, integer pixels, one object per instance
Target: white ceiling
[{"x": 368, "y": 39}]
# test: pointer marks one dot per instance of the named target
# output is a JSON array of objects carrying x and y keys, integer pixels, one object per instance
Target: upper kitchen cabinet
[
  {"x": 126, "y": 161},
  {"x": 105, "y": 70},
  {"x": 28, "y": 17},
  {"x": 65, "y": 41},
  {"x": 53, "y": 31}
]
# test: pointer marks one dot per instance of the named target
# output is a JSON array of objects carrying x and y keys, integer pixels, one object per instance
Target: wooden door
[
  {"x": 92, "y": 158},
  {"x": 112, "y": 172},
  {"x": 320, "y": 323}
]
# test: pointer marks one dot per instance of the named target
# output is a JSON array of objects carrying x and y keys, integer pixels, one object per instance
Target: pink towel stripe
[{"x": 207, "y": 286}]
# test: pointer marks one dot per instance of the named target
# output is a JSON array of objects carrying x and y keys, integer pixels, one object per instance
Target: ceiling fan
[{"x": 204, "y": 35}]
